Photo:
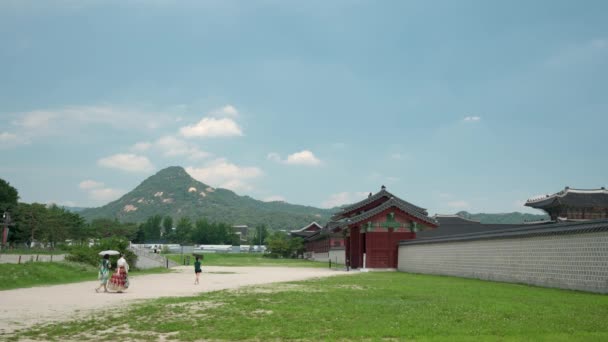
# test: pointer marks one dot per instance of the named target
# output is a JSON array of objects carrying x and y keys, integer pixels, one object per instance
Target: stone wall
[
  {"x": 564, "y": 255},
  {"x": 16, "y": 258},
  {"x": 319, "y": 256},
  {"x": 337, "y": 255}
]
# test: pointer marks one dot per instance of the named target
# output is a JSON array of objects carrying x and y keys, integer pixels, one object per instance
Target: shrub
[{"x": 90, "y": 255}]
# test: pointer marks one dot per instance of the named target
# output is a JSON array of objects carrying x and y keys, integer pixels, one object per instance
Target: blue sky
[{"x": 453, "y": 105}]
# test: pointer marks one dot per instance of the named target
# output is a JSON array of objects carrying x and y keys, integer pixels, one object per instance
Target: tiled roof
[
  {"x": 572, "y": 197},
  {"x": 392, "y": 202},
  {"x": 301, "y": 233},
  {"x": 520, "y": 231},
  {"x": 306, "y": 227},
  {"x": 450, "y": 225},
  {"x": 382, "y": 193}
]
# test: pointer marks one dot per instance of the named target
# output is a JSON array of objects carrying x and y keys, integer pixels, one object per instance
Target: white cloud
[
  {"x": 472, "y": 118},
  {"x": 127, "y": 162},
  {"x": 302, "y": 158},
  {"x": 90, "y": 184},
  {"x": 299, "y": 158},
  {"x": 37, "y": 119},
  {"x": 98, "y": 192},
  {"x": 445, "y": 195},
  {"x": 274, "y": 198},
  {"x": 211, "y": 127},
  {"x": 458, "y": 204},
  {"x": 125, "y": 118},
  {"x": 582, "y": 53},
  {"x": 342, "y": 198},
  {"x": 223, "y": 174},
  {"x": 141, "y": 146},
  {"x": 10, "y": 139},
  {"x": 105, "y": 194},
  {"x": 227, "y": 110},
  {"x": 69, "y": 121},
  {"x": 274, "y": 157},
  {"x": 172, "y": 147},
  {"x": 399, "y": 156}
]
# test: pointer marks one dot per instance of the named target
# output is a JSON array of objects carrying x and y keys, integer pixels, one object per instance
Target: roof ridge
[
  {"x": 567, "y": 190},
  {"x": 306, "y": 226}
]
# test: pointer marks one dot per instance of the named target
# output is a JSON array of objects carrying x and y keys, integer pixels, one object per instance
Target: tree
[
  {"x": 30, "y": 219},
  {"x": 9, "y": 196},
  {"x": 151, "y": 228},
  {"x": 183, "y": 230},
  {"x": 201, "y": 233},
  {"x": 167, "y": 225},
  {"x": 78, "y": 229},
  {"x": 104, "y": 228},
  {"x": 56, "y": 226},
  {"x": 260, "y": 235},
  {"x": 296, "y": 246},
  {"x": 279, "y": 245}
]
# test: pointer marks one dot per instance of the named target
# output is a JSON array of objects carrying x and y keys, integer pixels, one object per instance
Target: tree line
[{"x": 51, "y": 225}]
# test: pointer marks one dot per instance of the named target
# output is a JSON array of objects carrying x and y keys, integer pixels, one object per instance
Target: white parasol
[{"x": 109, "y": 252}]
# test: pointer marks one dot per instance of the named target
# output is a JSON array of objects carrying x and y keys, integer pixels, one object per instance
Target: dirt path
[{"x": 22, "y": 308}]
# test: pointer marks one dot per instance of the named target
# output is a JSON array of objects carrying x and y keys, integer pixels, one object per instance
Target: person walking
[
  {"x": 120, "y": 279},
  {"x": 197, "y": 269},
  {"x": 104, "y": 273}
]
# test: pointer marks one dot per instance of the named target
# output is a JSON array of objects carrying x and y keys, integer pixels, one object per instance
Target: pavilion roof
[
  {"x": 572, "y": 197},
  {"x": 370, "y": 199},
  {"x": 392, "y": 202},
  {"x": 314, "y": 223}
]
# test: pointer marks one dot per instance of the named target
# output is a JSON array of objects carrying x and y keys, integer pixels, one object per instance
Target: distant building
[
  {"x": 307, "y": 230},
  {"x": 573, "y": 204},
  {"x": 242, "y": 231}
]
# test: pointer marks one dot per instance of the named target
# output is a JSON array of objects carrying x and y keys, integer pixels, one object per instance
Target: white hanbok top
[{"x": 123, "y": 263}]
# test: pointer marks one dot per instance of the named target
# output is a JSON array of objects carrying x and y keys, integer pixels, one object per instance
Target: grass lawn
[
  {"x": 29, "y": 274},
  {"x": 245, "y": 259},
  {"x": 367, "y": 306}
]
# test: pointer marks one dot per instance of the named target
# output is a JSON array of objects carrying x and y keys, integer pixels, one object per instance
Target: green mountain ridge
[{"x": 172, "y": 191}]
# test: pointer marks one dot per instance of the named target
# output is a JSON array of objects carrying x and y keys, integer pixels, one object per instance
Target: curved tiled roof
[
  {"x": 520, "y": 231},
  {"x": 392, "y": 202},
  {"x": 453, "y": 219},
  {"x": 307, "y": 226},
  {"x": 572, "y": 197},
  {"x": 382, "y": 193}
]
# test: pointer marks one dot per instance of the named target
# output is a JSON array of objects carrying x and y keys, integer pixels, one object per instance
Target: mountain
[
  {"x": 74, "y": 209},
  {"x": 172, "y": 191},
  {"x": 511, "y": 218}
]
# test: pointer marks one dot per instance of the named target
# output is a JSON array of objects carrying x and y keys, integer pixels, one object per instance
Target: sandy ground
[{"x": 22, "y": 308}]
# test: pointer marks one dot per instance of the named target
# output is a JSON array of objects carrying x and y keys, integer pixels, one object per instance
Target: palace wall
[{"x": 567, "y": 256}]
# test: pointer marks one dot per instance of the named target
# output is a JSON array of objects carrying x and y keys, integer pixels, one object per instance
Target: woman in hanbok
[
  {"x": 120, "y": 279},
  {"x": 104, "y": 273}
]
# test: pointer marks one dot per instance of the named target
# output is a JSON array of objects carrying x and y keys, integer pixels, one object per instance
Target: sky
[{"x": 452, "y": 105}]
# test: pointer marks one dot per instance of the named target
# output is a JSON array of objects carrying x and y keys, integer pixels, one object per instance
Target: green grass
[
  {"x": 29, "y": 274},
  {"x": 368, "y": 306},
  {"x": 245, "y": 259}
]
